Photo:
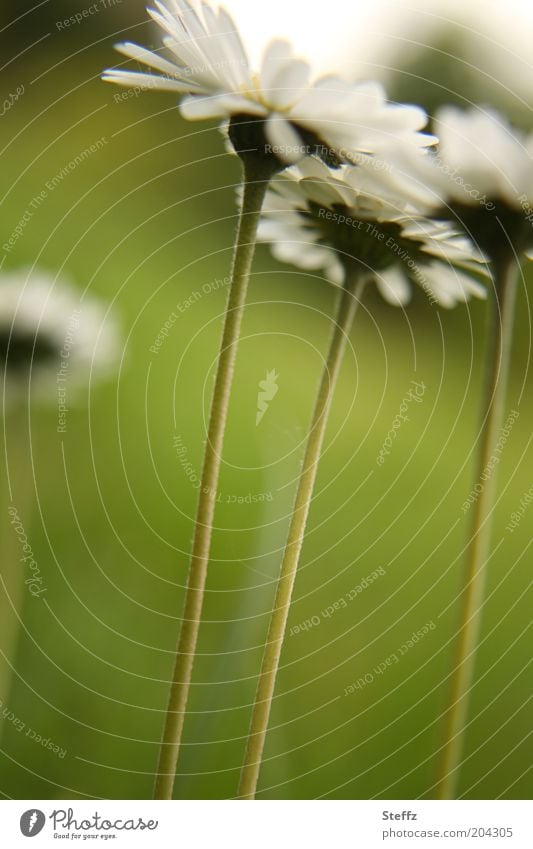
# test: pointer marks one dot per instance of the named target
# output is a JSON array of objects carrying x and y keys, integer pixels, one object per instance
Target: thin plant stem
[
  {"x": 498, "y": 359},
  {"x": 255, "y": 187},
  {"x": 349, "y": 302}
]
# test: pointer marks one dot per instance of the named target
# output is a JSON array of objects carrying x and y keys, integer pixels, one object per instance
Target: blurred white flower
[
  {"x": 50, "y": 337},
  {"x": 493, "y": 37},
  {"x": 485, "y": 169},
  {"x": 209, "y": 65},
  {"x": 482, "y": 147},
  {"x": 318, "y": 219}
]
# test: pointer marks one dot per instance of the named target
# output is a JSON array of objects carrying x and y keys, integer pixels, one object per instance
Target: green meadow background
[{"x": 146, "y": 222}]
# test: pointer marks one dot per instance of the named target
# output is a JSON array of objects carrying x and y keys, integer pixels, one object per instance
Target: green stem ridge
[
  {"x": 255, "y": 187},
  {"x": 267, "y": 679},
  {"x": 498, "y": 360}
]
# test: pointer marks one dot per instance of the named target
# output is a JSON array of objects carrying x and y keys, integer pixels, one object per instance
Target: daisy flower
[
  {"x": 49, "y": 336},
  {"x": 354, "y": 224},
  {"x": 486, "y": 176},
  {"x": 51, "y": 340},
  {"x": 276, "y": 108},
  {"x": 320, "y": 220},
  {"x": 485, "y": 169},
  {"x": 274, "y": 116}
]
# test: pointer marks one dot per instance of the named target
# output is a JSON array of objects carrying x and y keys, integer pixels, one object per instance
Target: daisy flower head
[
  {"x": 276, "y": 110},
  {"x": 486, "y": 177},
  {"x": 323, "y": 220},
  {"x": 50, "y": 338}
]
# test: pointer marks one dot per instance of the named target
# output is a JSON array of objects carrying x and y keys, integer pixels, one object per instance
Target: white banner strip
[{"x": 268, "y": 825}]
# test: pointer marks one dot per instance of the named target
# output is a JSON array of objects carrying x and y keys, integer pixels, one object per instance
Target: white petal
[
  {"x": 220, "y": 61},
  {"x": 349, "y": 117},
  {"x": 371, "y": 201},
  {"x": 450, "y": 286},
  {"x": 150, "y": 58},
  {"x": 374, "y": 93},
  {"x": 335, "y": 271},
  {"x": 234, "y": 38},
  {"x": 188, "y": 50},
  {"x": 491, "y": 157},
  {"x": 394, "y": 287},
  {"x": 286, "y": 142},
  {"x": 312, "y": 168},
  {"x": 233, "y": 65},
  {"x": 288, "y": 84},
  {"x": 218, "y": 106},
  {"x": 277, "y": 53},
  {"x": 146, "y": 82}
]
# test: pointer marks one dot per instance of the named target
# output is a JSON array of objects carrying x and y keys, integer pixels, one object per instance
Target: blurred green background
[{"x": 145, "y": 223}]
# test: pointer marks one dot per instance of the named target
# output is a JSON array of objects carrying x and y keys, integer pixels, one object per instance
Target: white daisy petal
[
  {"x": 206, "y": 56},
  {"x": 374, "y": 93},
  {"x": 335, "y": 272},
  {"x": 482, "y": 159},
  {"x": 394, "y": 287},
  {"x": 144, "y": 81},
  {"x": 286, "y": 142},
  {"x": 288, "y": 84},
  {"x": 40, "y": 316},
  {"x": 205, "y": 108},
  {"x": 235, "y": 44},
  {"x": 232, "y": 63},
  {"x": 450, "y": 286},
  {"x": 192, "y": 60},
  {"x": 277, "y": 53},
  {"x": 316, "y": 217},
  {"x": 147, "y": 57}
]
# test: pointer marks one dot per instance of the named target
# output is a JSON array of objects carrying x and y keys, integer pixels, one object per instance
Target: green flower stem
[
  {"x": 255, "y": 187},
  {"x": 498, "y": 360},
  {"x": 16, "y": 495},
  {"x": 350, "y": 298}
]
